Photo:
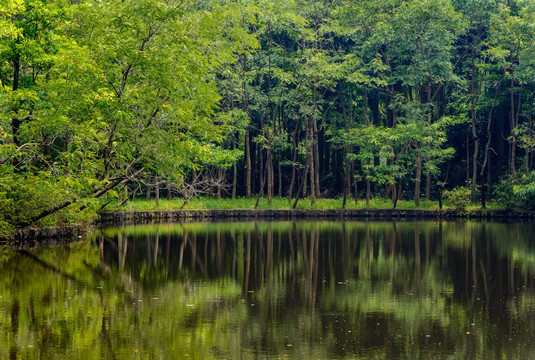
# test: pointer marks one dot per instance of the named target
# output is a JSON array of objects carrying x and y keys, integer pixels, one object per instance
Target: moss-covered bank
[
  {"x": 178, "y": 215},
  {"x": 33, "y": 237},
  {"x": 43, "y": 237}
]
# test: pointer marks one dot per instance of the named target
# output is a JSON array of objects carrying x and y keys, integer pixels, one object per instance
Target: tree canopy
[{"x": 100, "y": 100}]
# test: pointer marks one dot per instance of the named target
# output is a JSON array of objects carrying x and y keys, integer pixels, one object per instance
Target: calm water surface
[{"x": 302, "y": 290}]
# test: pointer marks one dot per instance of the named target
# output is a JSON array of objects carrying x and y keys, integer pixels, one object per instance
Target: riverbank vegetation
[
  {"x": 209, "y": 203},
  {"x": 107, "y": 101}
]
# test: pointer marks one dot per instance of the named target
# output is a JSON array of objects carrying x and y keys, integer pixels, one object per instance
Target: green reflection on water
[{"x": 275, "y": 290}]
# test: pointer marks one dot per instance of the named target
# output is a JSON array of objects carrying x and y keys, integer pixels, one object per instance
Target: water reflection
[{"x": 273, "y": 290}]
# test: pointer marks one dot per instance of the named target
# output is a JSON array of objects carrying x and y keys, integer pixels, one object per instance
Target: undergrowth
[{"x": 278, "y": 203}]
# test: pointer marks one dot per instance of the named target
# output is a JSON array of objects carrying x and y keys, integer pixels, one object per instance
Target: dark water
[{"x": 305, "y": 290}]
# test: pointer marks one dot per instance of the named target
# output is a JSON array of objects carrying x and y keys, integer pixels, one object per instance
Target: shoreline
[
  {"x": 289, "y": 214},
  {"x": 43, "y": 237},
  {"x": 39, "y": 237}
]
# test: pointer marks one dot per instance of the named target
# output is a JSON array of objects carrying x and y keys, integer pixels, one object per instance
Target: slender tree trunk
[
  {"x": 513, "y": 126},
  {"x": 394, "y": 194},
  {"x": 234, "y": 172},
  {"x": 269, "y": 166},
  {"x": 260, "y": 157},
  {"x": 475, "y": 138},
  {"x": 355, "y": 185},
  {"x": 428, "y": 186},
  {"x": 467, "y": 160},
  {"x": 417, "y": 182},
  {"x": 15, "y": 121},
  {"x": 220, "y": 188},
  {"x": 260, "y": 193},
  {"x": 279, "y": 173},
  {"x": 301, "y": 191},
  {"x": 157, "y": 191},
  {"x": 247, "y": 139},
  {"x": 353, "y": 161},
  {"x": 489, "y": 181},
  {"x": 347, "y": 183},
  {"x": 368, "y": 185},
  {"x": 305, "y": 174},
  {"x": 247, "y": 164},
  {"x": 485, "y": 165},
  {"x": 439, "y": 188},
  {"x": 316, "y": 159},
  {"x": 269, "y": 156},
  {"x": 294, "y": 162},
  {"x": 367, "y": 121},
  {"x": 147, "y": 193},
  {"x": 311, "y": 165},
  {"x": 221, "y": 175},
  {"x": 474, "y": 170},
  {"x": 429, "y": 121}
]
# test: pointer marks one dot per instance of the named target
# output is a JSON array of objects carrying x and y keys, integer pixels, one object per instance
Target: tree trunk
[
  {"x": 269, "y": 166},
  {"x": 347, "y": 183},
  {"x": 147, "y": 190},
  {"x": 513, "y": 125},
  {"x": 489, "y": 181},
  {"x": 486, "y": 163},
  {"x": 234, "y": 172},
  {"x": 311, "y": 165},
  {"x": 394, "y": 194},
  {"x": 417, "y": 182},
  {"x": 316, "y": 159},
  {"x": 279, "y": 173},
  {"x": 367, "y": 121},
  {"x": 221, "y": 175},
  {"x": 474, "y": 133},
  {"x": 247, "y": 164},
  {"x": 15, "y": 121},
  {"x": 474, "y": 171},
  {"x": 439, "y": 188},
  {"x": 294, "y": 145},
  {"x": 157, "y": 191},
  {"x": 301, "y": 191},
  {"x": 467, "y": 181},
  {"x": 260, "y": 157},
  {"x": 63, "y": 205},
  {"x": 428, "y": 187},
  {"x": 247, "y": 140},
  {"x": 368, "y": 185},
  {"x": 429, "y": 121},
  {"x": 356, "y": 194}
]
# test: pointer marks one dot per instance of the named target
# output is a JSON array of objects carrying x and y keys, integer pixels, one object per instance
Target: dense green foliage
[{"x": 102, "y": 99}]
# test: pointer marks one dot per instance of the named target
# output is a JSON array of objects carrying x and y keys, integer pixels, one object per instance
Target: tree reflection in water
[{"x": 275, "y": 289}]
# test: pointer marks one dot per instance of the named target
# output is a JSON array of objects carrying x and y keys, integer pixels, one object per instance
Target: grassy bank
[{"x": 210, "y": 203}]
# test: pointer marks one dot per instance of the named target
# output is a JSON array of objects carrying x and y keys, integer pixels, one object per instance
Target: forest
[{"x": 102, "y": 101}]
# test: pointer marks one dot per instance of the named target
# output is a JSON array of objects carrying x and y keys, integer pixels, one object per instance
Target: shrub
[
  {"x": 503, "y": 192},
  {"x": 524, "y": 191},
  {"x": 458, "y": 197}
]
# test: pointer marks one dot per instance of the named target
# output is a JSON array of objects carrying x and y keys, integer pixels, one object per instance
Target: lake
[{"x": 271, "y": 290}]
